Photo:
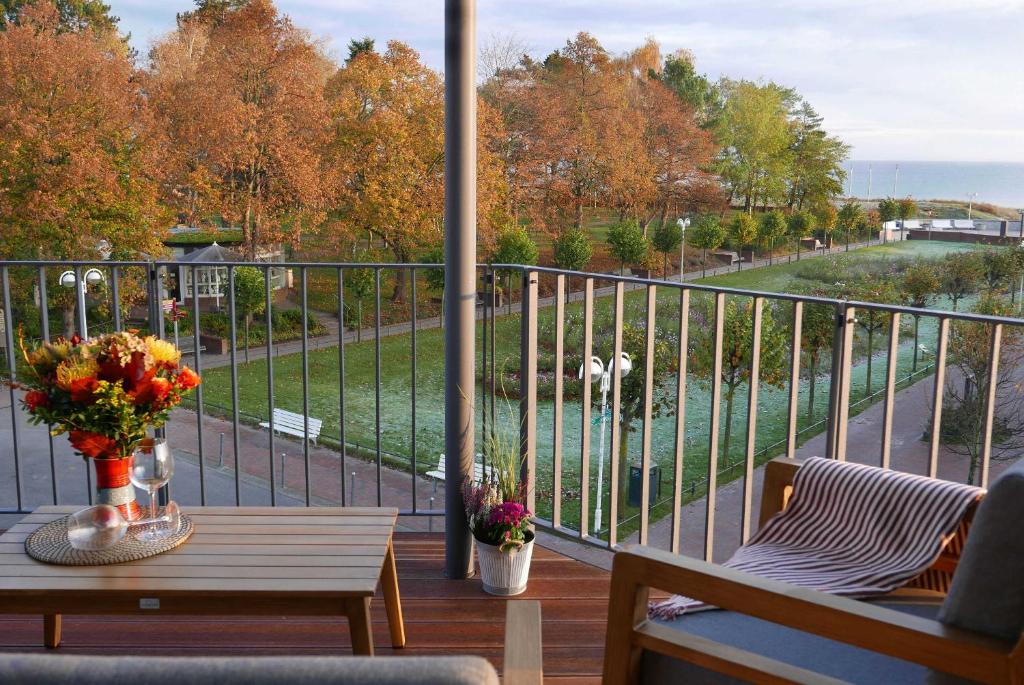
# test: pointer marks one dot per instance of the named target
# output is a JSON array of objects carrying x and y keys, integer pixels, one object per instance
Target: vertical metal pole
[
  {"x": 12, "y": 371},
  {"x": 890, "y": 388},
  {"x": 268, "y": 287},
  {"x": 556, "y": 446},
  {"x": 44, "y": 313},
  {"x": 645, "y": 441},
  {"x": 412, "y": 388},
  {"x": 377, "y": 382},
  {"x": 236, "y": 438},
  {"x": 844, "y": 382},
  {"x": 303, "y": 294},
  {"x": 588, "y": 351},
  {"x": 714, "y": 425},
  {"x": 115, "y": 295},
  {"x": 755, "y": 372},
  {"x": 990, "y": 401},
  {"x": 528, "y": 388},
  {"x": 794, "y": 378},
  {"x": 616, "y": 438},
  {"x": 460, "y": 275},
  {"x": 341, "y": 377},
  {"x": 197, "y": 362},
  {"x": 940, "y": 387},
  {"x": 83, "y": 325},
  {"x": 833, "y": 385},
  {"x": 677, "y": 477}
]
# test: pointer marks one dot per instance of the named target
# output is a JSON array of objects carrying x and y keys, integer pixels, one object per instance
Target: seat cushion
[
  {"x": 987, "y": 595},
  {"x": 59, "y": 669},
  {"x": 790, "y": 646}
]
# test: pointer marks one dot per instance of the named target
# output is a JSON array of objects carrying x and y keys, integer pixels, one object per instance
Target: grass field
[{"x": 396, "y": 416}]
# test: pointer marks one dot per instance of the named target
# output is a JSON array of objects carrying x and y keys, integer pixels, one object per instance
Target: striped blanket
[{"x": 851, "y": 530}]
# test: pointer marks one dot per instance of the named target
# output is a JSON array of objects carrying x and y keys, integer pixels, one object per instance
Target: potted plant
[
  {"x": 105, "y": 393},
  {"x": 500, "y": 521}
]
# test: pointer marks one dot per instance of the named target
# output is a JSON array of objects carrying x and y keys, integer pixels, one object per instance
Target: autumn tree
[
  {"x": 997, "y": 266},
  {"x": 737, "y": 355},
  {"x": 250, "y": 297},
  {"x": 771, "y": 226},
  {"x": 850, "y": 217},
  {"x": 679, "y": 75},
  {"x": 919, "y": 286},
  {"x": 707, "y": 234},
  {"x": 742, "y": 231},
  {"x": 240, "y": 93},
  {"x": 386, "y": 154},
  {"x": 627, "y": 243},
  {"x": 817, "y": 329},
  {"x": 72, "y": 15},
  {"x": 801, "y": 225},
  {"x": 965, "y": 396},
  {"x": 905, "y": 209},
  {"x": 888, "y": 209},
  {"x": 873, "y": 321},
  {"x": 572, "y": 251},
  {"x": 816, "y": 171},
  {"x": 754, "y": 132},
  {"x": 961, "y": 275},
  {"x": 666, "y": 239}
]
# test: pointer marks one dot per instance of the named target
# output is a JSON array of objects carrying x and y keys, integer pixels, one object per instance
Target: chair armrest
[
  {"x": 777, "y": 486},
  {"x": 523, "y": 658},
  {"x": 872, "y": 627}
]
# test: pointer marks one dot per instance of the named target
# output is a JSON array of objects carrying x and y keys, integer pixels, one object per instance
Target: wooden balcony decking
[{"x": 442, "y": 617}]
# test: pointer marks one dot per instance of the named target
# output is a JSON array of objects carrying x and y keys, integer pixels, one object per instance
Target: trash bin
[{"x": 635, "y": 486}]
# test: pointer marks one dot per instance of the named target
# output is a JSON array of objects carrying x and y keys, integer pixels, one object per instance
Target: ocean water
[{"x": 998, "y": 183}]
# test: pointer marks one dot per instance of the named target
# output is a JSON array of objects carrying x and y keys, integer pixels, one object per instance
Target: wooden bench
[
  {"x": 295, "y": 424},
  {"x": 479, "y": 471}
]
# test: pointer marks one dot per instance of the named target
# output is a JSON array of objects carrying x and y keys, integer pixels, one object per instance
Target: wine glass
[
  {"x": 97, "y": 527},
  {"x": 152, "y": 468}
]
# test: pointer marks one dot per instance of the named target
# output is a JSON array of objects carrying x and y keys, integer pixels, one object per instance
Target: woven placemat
[{"x": 50, "y": 544}]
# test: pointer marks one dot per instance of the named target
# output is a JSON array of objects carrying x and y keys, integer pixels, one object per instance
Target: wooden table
[{"x": 251, "y": 561}]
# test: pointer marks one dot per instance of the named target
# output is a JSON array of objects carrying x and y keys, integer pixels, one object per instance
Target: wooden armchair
[{"x": 750, "y": 601}]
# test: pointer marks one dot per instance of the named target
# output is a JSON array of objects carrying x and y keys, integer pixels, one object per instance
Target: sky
[{"x": 896, "y": 79}]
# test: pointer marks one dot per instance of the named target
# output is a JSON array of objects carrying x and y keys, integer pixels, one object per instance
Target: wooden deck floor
[{"x": 442, "y": 617}]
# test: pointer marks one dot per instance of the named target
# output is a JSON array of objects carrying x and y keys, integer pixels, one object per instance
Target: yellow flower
[
  {"x": 73, "y": 369},
  {"x": 164, "y": 354}
]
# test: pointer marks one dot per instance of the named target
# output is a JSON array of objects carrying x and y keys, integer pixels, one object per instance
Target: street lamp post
[
  {"x": 69, "y": 279},
  {"x": 683, "y": 225},
  {"x": 599, "y": 372},
  {"x": 1020, "y": 292},
  {"x": 970, "y": 204}
]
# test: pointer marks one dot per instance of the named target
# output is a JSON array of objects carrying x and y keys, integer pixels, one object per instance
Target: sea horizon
[{"x": 996, "y": 183}]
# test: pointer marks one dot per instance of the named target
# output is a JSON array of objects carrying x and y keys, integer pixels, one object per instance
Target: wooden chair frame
[{"x": 637, "y": 570}]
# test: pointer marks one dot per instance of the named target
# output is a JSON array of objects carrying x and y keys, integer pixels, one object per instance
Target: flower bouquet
[
  {"x": 106, "y": 393},
  {"x": 500, "y": 521}
]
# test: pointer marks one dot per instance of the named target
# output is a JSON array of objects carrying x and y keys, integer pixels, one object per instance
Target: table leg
[
  {"x": 51, "y": 631},
  {"x": 392, "y": 602},
  {"x": 358, "y": 612}
]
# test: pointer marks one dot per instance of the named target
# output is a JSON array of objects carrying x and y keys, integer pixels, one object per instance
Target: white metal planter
[{"x": 504, "y": 573}]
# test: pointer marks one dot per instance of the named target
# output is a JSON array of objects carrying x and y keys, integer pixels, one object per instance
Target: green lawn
[{"x": 396, "y": 390}]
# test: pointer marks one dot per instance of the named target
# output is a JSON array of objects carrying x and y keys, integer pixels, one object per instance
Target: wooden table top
[{"x": 257, "y": 551}]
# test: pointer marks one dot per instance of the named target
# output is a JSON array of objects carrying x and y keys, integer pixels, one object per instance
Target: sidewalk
[{"x": 330, "y": 321}]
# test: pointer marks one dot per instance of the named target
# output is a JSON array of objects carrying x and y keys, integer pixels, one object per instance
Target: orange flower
[
  {"x": 93, "y": 445},
  {"x": 35, "y": 399},
  {"x": 188, "y": 379},
  {"x": 151, "y": 390},
  {"x": 82, "y": 390}
]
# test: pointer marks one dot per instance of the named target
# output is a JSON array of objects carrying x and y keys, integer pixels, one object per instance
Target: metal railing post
[
  {"x": 460, "y": 275},
  {"x": 528, "y": 388}
]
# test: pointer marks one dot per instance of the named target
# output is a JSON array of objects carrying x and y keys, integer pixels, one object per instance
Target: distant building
[{"x": 192, "y": 245}]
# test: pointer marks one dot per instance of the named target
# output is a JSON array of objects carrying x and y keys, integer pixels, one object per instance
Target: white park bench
[
  {"x": 295, "y": 424},
  {"x": 479, "y": 472}
]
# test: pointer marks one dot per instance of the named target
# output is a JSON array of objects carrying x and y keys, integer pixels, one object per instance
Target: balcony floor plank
[{"x": 442, "y": 617}]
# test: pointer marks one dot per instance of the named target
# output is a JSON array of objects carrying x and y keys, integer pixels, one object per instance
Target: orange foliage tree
[
  {"x": 77, "y": 164},
  {"x": 241, "y": 97},
  {"x": 387, "y": 156}
]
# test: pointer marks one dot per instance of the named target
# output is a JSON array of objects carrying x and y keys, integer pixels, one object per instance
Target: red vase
[{"x": 114, "y": 486}]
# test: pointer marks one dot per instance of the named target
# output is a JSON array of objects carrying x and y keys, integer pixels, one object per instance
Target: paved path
[{"x": 330, "y": 320}]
